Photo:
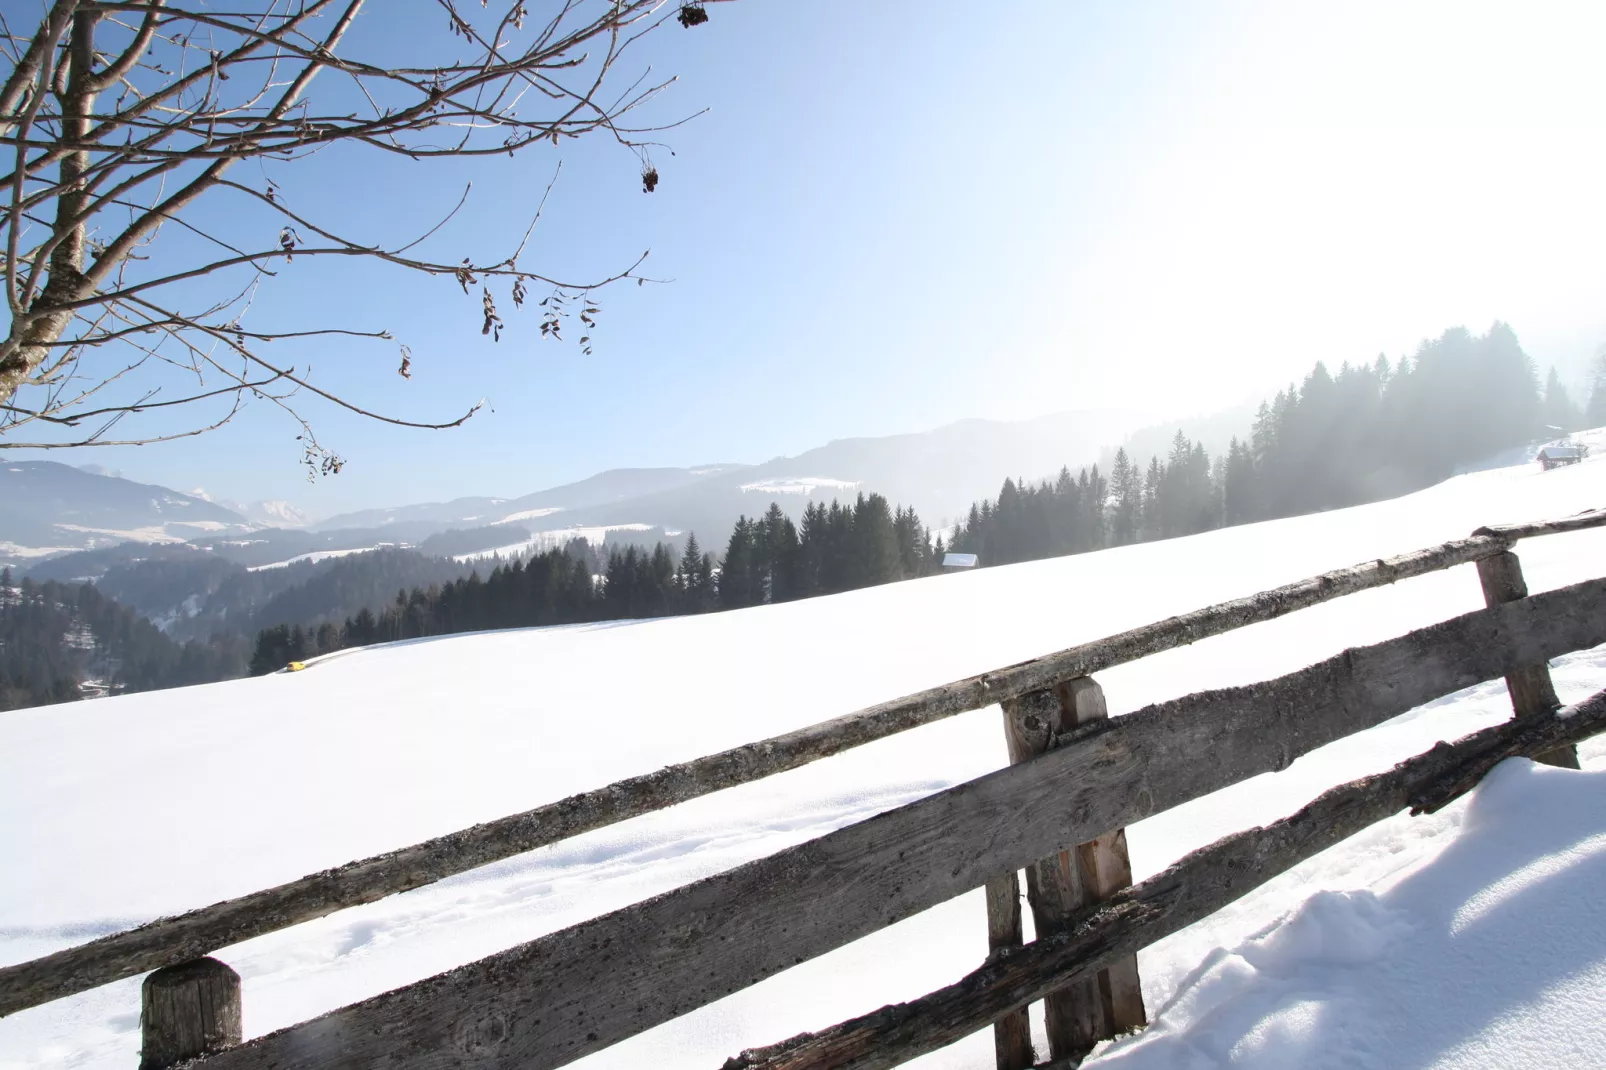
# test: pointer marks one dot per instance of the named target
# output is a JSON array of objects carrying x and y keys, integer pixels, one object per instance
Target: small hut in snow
[{"x": 1556, "y": 456}]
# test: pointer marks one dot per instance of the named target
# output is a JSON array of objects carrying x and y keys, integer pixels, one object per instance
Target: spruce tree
[
  {"x": 778, "y": 556},
  {"x": 876, "y": 541},
  {"x": 738, "y": 585},
  {"x": 1559, "y": 412},
  {"x": 694, "y": 596},
  {"x": 1127, "y": 500}
]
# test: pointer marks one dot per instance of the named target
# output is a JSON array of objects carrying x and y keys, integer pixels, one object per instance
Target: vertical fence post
[
  {"x": 1084, "y": 1012},
  {"x": 1530, "y": 687},
  {"x": 188, "y": 1010},
  {"x": 1105, "y": 869},
  {"x": 1012, "y": 1034}
]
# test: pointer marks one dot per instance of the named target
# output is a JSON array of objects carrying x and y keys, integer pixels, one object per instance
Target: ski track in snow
[{"x": 1335, "y": 963}]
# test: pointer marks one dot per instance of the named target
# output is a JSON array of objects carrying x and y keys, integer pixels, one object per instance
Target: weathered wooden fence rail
[
  {"x": 573, "y": 992},
  {"x": 1188, "y": 891}
]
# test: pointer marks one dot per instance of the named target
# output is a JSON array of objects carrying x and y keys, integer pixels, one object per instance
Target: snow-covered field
[
  {"x": 807, "y": 486},
  {"x": 315, "y": 556},
  {"x": 1476, "y": 937},
  {"x": 550, "y": 539}
]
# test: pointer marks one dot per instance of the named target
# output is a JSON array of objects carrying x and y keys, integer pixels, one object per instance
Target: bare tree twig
[{"x": 122, "y": 115}]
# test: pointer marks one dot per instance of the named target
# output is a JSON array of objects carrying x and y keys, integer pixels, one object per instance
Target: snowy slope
[
  {"x": 109, "y": 811},
  {"x": 1488, "y": 957}
]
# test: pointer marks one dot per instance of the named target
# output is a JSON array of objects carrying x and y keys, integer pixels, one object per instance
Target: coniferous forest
[
  {"x": 768, "y": 559},
  {"x": 63, "y": 641}
]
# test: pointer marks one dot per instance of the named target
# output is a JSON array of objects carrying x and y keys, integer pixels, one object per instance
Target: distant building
[
  {"x": 959, "y": 561},
  {"x": 1556, "y": 456}
]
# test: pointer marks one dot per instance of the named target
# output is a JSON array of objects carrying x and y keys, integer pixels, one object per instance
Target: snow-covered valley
[{"x": 117, "y": 811}]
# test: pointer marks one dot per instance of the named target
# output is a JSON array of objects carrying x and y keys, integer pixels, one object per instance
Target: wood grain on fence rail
[
  {"x": 173, "y": 940},
  {"x": 573, "y": 992},
  {"x": 1188, "y": 891}
]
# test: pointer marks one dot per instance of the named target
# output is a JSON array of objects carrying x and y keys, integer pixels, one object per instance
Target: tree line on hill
[
  {"x": 61, "y": 641},
  {"x": 767, "y": 559},
  {"x": 1370, "y": 432}
]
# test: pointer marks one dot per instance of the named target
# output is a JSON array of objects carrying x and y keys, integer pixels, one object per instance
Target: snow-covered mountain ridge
[
  {"x": 52, "y": 508},
  {"x": 375, "y": 748}
]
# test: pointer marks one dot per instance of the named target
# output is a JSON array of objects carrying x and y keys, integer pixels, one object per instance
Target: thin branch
[{"x": 115, "y": 139}]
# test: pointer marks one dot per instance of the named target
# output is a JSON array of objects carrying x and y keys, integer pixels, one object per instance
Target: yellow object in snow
[{"x": 295, "y": 666}]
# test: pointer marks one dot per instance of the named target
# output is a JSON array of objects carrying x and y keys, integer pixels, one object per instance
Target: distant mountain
[
  {"x": 458, "y": 512},
  {"x": 46, "y": 506},
  {"x": 940, "y": 473},
  {"x": 268, "y": 514},
  {"x": 614, "y": 485},
  {"x": 272, "y": 514}
]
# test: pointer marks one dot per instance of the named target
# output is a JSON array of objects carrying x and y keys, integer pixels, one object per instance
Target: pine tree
[
  {"x": 914, "y": 544},
  {"x": 1127, "y": 506},
  {"x": 696, "y": 587},
  {"x": 779, "y": 557},
  {"x": 273, "y": 650},
  {"x": 1559, "y": 411},
  {"x": 1238, "y": 479},
  {"x": 738, "y": 581},
  {"x": 812, "y": 534},
  {"x": 876, "y": 541}
]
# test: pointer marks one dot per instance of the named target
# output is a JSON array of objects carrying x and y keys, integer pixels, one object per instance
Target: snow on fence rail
[{"x": 552, "y": 1000}]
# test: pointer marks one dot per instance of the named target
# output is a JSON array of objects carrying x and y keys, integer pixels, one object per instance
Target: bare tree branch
[{"x": 123, "y": 115}]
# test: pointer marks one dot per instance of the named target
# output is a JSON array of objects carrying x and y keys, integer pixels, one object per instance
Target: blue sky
[{"x": 895, "y": 215}]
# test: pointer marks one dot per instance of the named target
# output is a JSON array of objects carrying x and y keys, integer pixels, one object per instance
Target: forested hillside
[
  {"x": 346, "y": 585},
  {"x": 62, "y": 641}
]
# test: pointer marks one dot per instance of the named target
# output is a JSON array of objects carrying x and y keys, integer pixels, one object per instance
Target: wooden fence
[{"x": 1058, "y": 812}]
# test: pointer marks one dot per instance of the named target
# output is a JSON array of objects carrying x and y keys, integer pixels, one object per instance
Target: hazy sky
[{"x": 899, "y": 214}]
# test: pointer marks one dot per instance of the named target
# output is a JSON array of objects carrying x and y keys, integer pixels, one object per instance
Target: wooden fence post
[
  {"x": 1084, "y": 1012},
  {"x": 188, "y": 1010},
  {"x": 1012, "y": 1034},
  {"x": 1105, "y": 869},
  {"x": 1530, "y": 687}
]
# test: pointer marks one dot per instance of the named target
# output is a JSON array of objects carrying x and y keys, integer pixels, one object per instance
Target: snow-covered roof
[{"x": 1561, "y": 453}]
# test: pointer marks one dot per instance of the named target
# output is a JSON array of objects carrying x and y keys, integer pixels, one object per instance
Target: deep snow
[
  {"x": 116, "y": 811},
  {"x": 1489, "y": 957}
]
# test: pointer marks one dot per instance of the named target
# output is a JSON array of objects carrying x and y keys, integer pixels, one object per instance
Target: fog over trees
[{"x": 1371, "y": 431}]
